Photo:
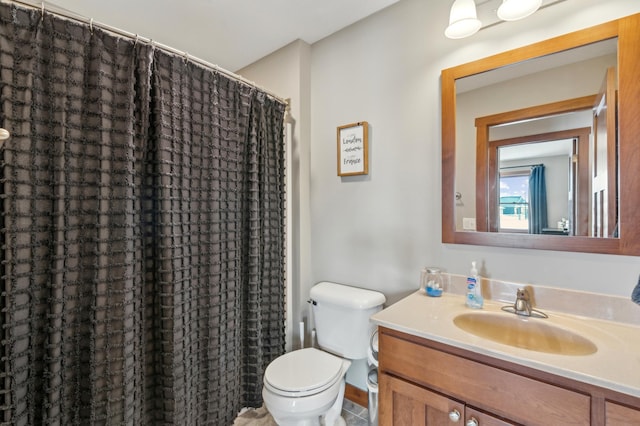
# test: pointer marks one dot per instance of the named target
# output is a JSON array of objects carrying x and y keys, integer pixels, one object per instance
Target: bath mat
[{"x": 254, "y": 417}]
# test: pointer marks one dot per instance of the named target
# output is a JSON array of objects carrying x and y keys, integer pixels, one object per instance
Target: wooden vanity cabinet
[
  {"x": 409, "y": 404},
  {"x": 422, "y": 382},
  {"x": 619, "y": 415}
]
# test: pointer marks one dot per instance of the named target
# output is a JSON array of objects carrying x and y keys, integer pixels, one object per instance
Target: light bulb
[
  {"x": 463, "y": 20},
  {"x": 512, "y": 10}
]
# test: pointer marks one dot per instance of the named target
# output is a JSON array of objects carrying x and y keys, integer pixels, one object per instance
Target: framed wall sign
[{"x": 353, "y": 153}]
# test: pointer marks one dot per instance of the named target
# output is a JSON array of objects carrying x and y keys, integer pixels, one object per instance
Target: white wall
[{"x": 377, "y": 231}]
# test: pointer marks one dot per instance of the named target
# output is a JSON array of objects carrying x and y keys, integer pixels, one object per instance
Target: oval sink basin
[{"x": 526, "y": 333}]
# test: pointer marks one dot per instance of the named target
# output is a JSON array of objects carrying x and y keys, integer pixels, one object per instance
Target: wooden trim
[
  {"x": 628, "y": 131},
  {"x": 612, "y": 150},
  {"x": 538, "y": 111},
  {"x": 448, "y": 155},
  {"x": 482, "y": 178},
  {"x": 546, "y": 47},
  {"x": 356, "y": 395}
]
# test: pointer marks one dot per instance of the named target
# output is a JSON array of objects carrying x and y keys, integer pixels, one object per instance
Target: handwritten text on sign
[{"x": 352, "y": 150}]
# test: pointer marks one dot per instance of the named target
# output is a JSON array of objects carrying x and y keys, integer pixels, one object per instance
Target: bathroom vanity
[{"x": 432, "y": 372}]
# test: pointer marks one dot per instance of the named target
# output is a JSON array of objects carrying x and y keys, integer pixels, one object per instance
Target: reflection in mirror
[
  {"x": 520, "y": 195},
  {"x": 567, "y": 198},
  {"x": 515, "y": 101},
  {"x": 497, "y": 112}
]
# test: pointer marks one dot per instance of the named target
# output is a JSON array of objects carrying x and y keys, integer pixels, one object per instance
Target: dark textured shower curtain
[{"x": 143, "y": 231}]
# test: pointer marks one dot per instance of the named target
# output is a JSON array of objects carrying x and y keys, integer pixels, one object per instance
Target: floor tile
[{"x": 353, "y": 414}]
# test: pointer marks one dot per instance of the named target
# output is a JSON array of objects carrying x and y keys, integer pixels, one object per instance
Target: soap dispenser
[{"x": 474, "y": 289}]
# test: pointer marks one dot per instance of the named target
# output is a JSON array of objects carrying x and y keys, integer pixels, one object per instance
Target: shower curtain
[
  {"x": 537, "y": 200},
  {"x": 143, "y": 231}
]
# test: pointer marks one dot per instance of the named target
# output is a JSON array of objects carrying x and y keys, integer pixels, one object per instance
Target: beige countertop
[{"x": 615, "y": 365}]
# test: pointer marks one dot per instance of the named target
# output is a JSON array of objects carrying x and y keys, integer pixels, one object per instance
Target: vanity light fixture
[
  {"x": 469, "y": 16},
  {"x": 512, "y": 10},
  {"x": 463, "y": 20}
]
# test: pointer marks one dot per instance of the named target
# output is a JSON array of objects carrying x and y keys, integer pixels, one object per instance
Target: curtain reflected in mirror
[{"x": 537, "y": 200}]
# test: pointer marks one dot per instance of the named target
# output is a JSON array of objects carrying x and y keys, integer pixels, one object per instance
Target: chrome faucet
[
  {"x": 522, "y": 306},
  {"x": 523, "y": 303}
]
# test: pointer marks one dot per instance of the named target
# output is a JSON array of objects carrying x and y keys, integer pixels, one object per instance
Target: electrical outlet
[{"x": 469, "y": 223}]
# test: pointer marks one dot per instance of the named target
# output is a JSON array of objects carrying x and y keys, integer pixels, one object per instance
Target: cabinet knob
[
  {"x": 472, "y": 422},
  {"x": 454, "y": 415}
]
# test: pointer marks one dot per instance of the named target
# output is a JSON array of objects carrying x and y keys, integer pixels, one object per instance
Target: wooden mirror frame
[{"x": 627, "y": 30}]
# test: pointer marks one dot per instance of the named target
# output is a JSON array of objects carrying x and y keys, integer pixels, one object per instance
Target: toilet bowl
[
  {"x": 303, "y": 386},
  {"x": 306, "y": 387}
]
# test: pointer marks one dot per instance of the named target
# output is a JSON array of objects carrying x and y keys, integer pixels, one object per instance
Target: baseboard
[{"x": 356, "y": 395}]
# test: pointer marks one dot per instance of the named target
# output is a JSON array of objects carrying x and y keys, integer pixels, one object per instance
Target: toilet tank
[{"x": 341, "y": 315}]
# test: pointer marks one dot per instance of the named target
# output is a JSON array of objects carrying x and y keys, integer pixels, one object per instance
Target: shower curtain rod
[
  {"x": 66, "y": 13},
  {"x": 522, "y": 166}
]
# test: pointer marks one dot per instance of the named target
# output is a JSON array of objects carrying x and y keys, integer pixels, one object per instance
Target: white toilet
[{"x": 306, "y": 387}]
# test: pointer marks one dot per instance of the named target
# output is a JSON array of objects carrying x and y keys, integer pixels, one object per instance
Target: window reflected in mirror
[{"x": 513, "y": 204}]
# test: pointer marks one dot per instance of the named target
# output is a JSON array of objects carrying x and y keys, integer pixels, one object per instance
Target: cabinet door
[
  {"x": 619, "y": 415},
  {"x": 402, "y": 403},
  {"x": 476, "y": 418}
]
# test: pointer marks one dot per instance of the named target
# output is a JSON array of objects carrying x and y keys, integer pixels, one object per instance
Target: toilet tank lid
[{"x": 343, "y": 295}]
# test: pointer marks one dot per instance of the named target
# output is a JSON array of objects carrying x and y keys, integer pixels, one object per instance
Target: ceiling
[{"x": 229, "y": 33}]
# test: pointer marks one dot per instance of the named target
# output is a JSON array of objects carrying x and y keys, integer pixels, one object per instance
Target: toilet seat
[{"x": 303, "y": 372}]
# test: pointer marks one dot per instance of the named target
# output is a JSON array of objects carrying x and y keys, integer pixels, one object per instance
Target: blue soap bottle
[{"x": 474, "y": 290}]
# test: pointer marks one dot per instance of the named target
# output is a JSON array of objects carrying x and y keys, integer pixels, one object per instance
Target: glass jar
[{"x": 433, "y": 282}]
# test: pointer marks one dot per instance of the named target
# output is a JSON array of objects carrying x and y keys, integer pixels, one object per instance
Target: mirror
[
  {"x": 500, "y": 128},
  {"x": 564, "y": 206}
]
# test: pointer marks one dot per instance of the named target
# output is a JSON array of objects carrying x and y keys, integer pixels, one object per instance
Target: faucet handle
[
  {"x": 522, "y": 305},
  {"x": 522, "y": 294}
]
